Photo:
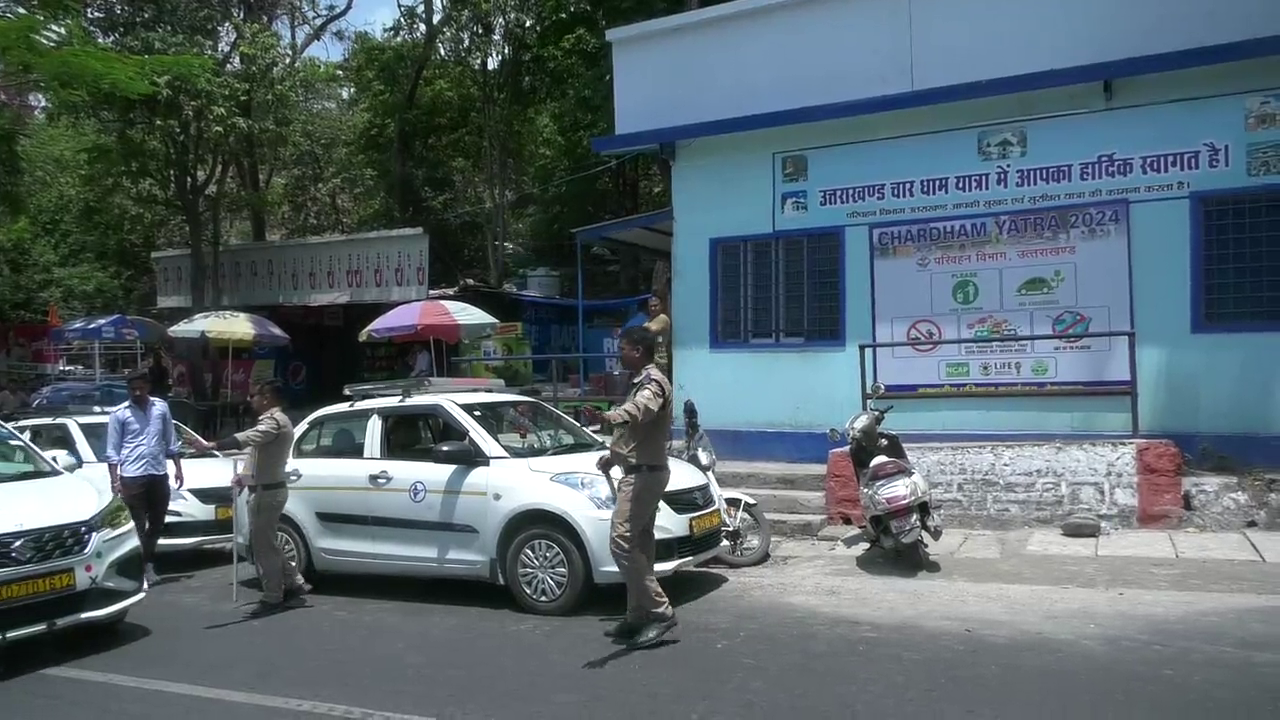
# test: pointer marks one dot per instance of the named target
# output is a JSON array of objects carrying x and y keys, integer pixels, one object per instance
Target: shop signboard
[
  {"x": 373, "y": 267},
  {"x": 1142, "y": 153},
  {"x": 1061, "y": 271}
]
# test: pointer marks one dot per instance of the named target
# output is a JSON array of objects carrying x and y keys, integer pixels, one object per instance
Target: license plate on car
[
  {"x": 40, "y": 586},
  {"x": 705, "y": 523},
  {"x": 222, "y": 512},
  {"x": 906, "y": 522}
]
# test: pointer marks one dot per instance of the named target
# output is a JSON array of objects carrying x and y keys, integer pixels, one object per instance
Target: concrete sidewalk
[{"x": 1246, "y": 546}]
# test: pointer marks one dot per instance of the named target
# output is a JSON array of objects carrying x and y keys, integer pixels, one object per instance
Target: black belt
[
  {"x": 267, "y": 486},
  {"x": 633, "y": 469}
]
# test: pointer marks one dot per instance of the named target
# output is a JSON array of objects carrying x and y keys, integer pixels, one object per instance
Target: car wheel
[
  {"x": 294, "y": 547},
  {"x": 545, "y": 571}
]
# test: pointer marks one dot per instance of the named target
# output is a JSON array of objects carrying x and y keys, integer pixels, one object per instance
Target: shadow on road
[
  {"x": 603, "y": 661},
  {"x": 878, "y": 561},
  {"x": 608, "y": 601},
  {"x": 24, "y": 657}
]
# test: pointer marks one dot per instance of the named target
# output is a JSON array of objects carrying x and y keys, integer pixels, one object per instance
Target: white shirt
[{"x": 422, "y": 364}]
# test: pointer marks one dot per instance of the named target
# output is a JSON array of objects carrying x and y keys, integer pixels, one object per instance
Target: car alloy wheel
[{"x": 543, "y": 571}]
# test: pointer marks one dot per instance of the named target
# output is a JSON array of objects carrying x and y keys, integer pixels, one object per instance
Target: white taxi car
[
  {"x": 69, "y": 553},
  {"x": 199, "y": 514},
  {"x": 424, "y": 478}
]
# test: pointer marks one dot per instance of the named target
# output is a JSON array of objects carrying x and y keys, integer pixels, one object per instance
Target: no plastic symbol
[{"x": 924, "y": 330}]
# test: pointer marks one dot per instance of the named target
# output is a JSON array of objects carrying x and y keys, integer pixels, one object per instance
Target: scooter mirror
[
  {"x": 833, "y": 435},
  {"x": 877, "y": 389}
]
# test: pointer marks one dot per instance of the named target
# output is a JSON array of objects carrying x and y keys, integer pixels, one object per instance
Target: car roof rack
[{"x": 420, "y": 386}]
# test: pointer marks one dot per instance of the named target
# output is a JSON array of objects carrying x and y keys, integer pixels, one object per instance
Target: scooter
[
  {"x": 896, "y": 500},
  {"x": 745, "y": 526}
]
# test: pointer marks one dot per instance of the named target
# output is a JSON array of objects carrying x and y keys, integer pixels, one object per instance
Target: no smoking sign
[{"x": 924, "y": 330}]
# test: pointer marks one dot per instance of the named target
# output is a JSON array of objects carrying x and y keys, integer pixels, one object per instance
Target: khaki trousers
[
  {"x": 632, "y": 544},
  {"x": 274, "y": 569}
]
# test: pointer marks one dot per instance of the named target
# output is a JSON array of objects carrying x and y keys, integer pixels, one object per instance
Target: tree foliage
[{"x": 128, "y": 126}]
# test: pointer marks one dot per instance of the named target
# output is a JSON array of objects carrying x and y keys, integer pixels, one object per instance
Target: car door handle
[
  {"x": 293, "y": 475},
  {"x": 380, "y": 476}
]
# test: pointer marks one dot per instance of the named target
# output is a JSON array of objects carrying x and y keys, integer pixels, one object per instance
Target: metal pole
[
  {"x": 1134, "y": 426},
  {"x": 582, "y": 322},
  {"x": 862, "y": 375}
]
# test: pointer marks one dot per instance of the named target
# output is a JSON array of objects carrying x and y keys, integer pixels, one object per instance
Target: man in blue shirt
[{"x": 140, "y": 438}]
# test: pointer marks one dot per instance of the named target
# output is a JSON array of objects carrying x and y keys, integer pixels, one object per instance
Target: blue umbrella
[{"x": 109, "y": 329}]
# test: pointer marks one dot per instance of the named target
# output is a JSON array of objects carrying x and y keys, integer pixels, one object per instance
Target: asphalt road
[{"x": 804, "y": 637}]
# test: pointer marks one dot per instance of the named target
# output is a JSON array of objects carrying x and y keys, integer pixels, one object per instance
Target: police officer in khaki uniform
[
  {"x": 641, "y": 427},
  {"x": 269, "y": 443}
]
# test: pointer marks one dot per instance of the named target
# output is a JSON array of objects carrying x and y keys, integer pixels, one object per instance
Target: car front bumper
[
  {"x": 192, "y": 520},
  {"x": 108, "y": 583},
  {"x": 675, "y": 548}
]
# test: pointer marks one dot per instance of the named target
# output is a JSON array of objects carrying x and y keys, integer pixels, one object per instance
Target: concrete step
[
  {"x": 811, "y": 477},
  {"x": 794, "y": 502},
  {"x": 795, "y": 525}
]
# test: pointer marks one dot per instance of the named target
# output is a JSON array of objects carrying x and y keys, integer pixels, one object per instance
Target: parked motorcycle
[
  {"x": 896, "y": 499},
  {"x": 745, "y": 525}
]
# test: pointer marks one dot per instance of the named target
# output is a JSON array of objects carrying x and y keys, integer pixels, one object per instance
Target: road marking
[{"x": 235, "y": 696}]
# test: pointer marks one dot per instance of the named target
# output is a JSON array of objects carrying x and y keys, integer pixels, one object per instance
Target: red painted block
[
  {"x": 1160, "y": 468},
  {"x": 844, "y": 505}
]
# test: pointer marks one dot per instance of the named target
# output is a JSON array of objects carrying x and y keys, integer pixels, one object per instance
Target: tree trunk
[{"x": 194, "y": 218}]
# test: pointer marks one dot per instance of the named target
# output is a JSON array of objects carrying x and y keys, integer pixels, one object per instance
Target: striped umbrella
[
  {"x": 230, "y": 328},
  {"x": 424, "y": 320}
]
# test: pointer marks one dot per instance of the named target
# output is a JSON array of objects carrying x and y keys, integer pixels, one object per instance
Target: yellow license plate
[
  {"x": 222, "y": 512},
  {"x": 705, "y": 523},
  {"x": 34, "y": 587}
]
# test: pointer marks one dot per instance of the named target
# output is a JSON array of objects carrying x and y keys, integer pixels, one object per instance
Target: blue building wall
[{"x": 772, "y": 403}]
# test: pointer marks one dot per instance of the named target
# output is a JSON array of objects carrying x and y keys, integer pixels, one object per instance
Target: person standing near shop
[
  {"x": 140, "y": 441},
  {"x": 641, "y": 425},
  {"x": 660, "y": 325},
  {"x": 269, "y": 443},
  {"x": 158, "y": 373}
]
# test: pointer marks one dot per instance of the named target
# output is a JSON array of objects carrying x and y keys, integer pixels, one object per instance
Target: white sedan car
[
  {"x": 69, "y": 554},
  {"x": 479, "y": 485},
  {"x": 199, "y": 514}
]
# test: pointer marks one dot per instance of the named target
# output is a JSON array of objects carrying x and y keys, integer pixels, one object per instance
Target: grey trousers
[
  {"x": 274, "y": 569},
  {"x": 633, "y": 546}
]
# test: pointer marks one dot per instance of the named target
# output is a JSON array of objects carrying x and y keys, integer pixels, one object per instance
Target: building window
[
  {"x": 1238, "y": 288},
  {"x": 779, "y": 290}
]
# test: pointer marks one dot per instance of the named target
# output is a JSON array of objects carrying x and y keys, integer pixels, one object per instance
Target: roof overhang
[
  {"x": 651, "y": 231},
  {"x": 1188, "y": 59}
]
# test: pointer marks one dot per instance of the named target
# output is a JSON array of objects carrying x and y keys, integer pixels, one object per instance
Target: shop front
[{"x": 1088, "y": 250}]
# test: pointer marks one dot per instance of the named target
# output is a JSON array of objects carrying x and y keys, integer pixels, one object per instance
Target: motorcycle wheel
[
  {"x": 753, "y": 547},
  {"x": 916, "y": 555}
]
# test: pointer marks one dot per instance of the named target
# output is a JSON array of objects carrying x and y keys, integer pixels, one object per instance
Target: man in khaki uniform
[
  {"x": 269, "y": 443},
  {"x": 639, "y": 447}
]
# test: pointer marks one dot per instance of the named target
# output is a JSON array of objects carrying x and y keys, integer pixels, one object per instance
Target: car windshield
[
  {"x": 20, "y": 461},
  {"x": 529, "y": 428},
  {"x": 95, "y": 434}
]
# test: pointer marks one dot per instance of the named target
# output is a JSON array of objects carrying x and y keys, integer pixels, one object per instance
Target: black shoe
[
  {"x": 624, "y": 630},
  {"x": 652, "y": 633},
  {"x": 297, "y": 591},
  {"x": 263, "y": 609}
]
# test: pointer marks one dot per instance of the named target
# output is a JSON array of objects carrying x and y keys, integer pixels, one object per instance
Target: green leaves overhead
[{"x": 128, "y": 126}]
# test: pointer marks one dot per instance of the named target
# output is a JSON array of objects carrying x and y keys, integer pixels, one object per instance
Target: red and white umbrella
[{"x": 426, "y": 320}]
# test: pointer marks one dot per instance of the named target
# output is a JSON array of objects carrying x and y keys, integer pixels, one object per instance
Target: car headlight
[
  {"x": 705, "y": 459},
  {"x": 595, "y": 487},
  {"x": 178, "y": 496},
  {"x": 113, "y": 517}
]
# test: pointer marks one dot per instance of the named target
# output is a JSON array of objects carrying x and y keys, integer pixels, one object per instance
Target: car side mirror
[
  {"x": 64, "y": 460},
  {"x": 453, "y": 452}
]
